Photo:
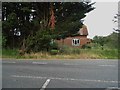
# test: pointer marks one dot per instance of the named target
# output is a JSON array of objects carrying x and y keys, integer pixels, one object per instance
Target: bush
[
  {"x": 75, "y": 51},
  {"x": 54, "y": 52},
  {"x": 10, "y": 52},
  {"x": 53, "y": 45},
  {"x": 4, "y": 40},
  {"x": 69, "y": 50},
  {"x": 64, "y": 49},
  {"x": 87, "y": 46},
  {"x": 110, "y": 53},
  {"x": 39, "y": 42}
]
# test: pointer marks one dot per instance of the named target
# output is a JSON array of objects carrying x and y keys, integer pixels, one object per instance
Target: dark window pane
[
  {"x": 75, "y": 41},
  {"x": 78, "y": 41}
]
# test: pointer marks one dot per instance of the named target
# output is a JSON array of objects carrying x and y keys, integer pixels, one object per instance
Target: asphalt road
[{"x": 44, "y": 74}]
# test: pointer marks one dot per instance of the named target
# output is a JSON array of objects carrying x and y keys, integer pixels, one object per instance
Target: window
[{"x": 75, "y": 42}]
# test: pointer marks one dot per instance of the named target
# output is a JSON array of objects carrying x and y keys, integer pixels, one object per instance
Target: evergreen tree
[{"x": 35, "y": 22}]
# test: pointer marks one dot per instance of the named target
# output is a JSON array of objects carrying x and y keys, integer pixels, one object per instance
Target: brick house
[{"x": 76, "y": 41}]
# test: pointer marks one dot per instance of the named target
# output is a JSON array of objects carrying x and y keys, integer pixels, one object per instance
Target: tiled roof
[{"x": 83, "y": 30}]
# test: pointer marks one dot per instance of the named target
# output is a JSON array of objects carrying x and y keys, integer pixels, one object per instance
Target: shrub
[
  {"x": 53, "y": 45},
  {"x": 69, "y": 50},
  {"x": 110, "y": 53},
  {"x": 75, "y": 51},
  {"x": 10, "y": 52},
  {"x": 64, "y": 49},
  {"x": 87, "y": 46},
  {"x": 4, "y": 40},
  {"x": 54, "y": 52},
  {"x": 39, "y": 42}
]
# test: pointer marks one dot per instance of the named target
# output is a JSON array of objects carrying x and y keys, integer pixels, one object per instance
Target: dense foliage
[
  {"x": 27, "y": 25},
  {"x": 110, "y": 41}
]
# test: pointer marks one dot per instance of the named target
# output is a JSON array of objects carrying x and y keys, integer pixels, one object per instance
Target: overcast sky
[{"x": 99, "y": 21}]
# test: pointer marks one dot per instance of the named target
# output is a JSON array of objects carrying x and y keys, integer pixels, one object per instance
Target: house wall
[{"x": 68, "y": 41}]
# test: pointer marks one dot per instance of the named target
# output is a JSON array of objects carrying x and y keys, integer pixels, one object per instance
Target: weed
[{"x": 65, "y": 53}]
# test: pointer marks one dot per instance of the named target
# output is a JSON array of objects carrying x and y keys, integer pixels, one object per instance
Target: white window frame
[{"x": 75, "y": 42}]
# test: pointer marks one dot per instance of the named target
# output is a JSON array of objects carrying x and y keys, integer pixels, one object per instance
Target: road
[{"x": 44, "y": 74}]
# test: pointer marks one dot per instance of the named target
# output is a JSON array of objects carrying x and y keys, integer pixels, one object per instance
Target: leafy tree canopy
[{"x": 30, "y": 19}]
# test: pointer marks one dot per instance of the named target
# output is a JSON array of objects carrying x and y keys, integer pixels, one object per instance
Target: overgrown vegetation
[
  {"x": 30, "y": 30},
  {"x": 68, "y": 54},
  {"x": 111, "y": 41},
  {"x": 31, "y": 27},
  {"x": 39, "y": 42},
  {"x": 10, "y": 53}
]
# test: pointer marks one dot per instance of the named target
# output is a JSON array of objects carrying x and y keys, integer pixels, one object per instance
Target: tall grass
[
  {"x": 104, "y": 54},
  {"x": 65, "y": 50},
  {"x": 65, "y": 53},
  {"x": 9, "y": 53},
  {"x": 109, "y": 53}
]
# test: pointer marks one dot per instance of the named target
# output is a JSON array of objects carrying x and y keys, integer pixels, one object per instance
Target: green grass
[
  {"x": 80, "y": 54},
  {"x": 9, "y": 53},
  {"x": 103, "y": 54},
  {"x": 113, "y": 53}
]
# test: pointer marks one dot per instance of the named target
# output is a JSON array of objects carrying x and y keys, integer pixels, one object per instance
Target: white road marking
[
  {"x": 45, "y": 84},
  {"x": 67, "y": 79},
  {"x": 39, "y": 63},
  {"x": 70, "y": 64},
  {"x": 7, "y": 62},
  {"x": 98, "y": 65},
  {"x": 38, "y": 77},
  {"x": 108, "y": 65},
  {"x": 112, "y": 88}
]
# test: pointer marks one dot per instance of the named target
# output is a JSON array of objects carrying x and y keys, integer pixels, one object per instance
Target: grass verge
[{"x": 83, "y": 54}]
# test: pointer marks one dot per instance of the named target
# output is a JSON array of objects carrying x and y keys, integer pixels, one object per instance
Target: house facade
[{"x": 76, "y": 41}]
